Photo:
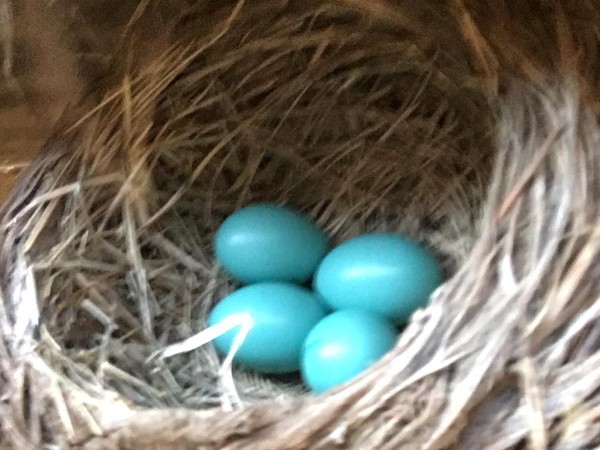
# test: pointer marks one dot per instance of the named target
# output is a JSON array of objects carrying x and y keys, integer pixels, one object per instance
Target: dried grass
[{"x": 366, "y": 116}]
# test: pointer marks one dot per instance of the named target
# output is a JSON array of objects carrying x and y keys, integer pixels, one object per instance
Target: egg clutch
[{"x": 328, "y": 313}]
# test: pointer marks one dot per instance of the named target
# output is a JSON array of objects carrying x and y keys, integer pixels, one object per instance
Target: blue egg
[
  {"x": 342, "y": 345},
  {"x": 383, "y": 273},
  {"x": 281, "y": 314},
  {"x": 266, "y": 242}
]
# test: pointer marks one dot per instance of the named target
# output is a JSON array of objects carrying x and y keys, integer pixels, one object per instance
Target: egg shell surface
[
  {"x": 282, "y": 315},
  {"x": 267, "y": 242},
  {"x": 384, "y": 273},
  {"x": 342, "y": 345}
]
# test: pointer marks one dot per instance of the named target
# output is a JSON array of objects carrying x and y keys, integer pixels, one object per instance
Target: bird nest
[{"x": 431, "y": 120}]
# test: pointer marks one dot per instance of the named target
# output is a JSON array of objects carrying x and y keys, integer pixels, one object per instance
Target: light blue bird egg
[
  {"x": 279, "y": 316},
  {"x": 343, "y": 345},
  {"x": 266, "y": 242},
  {"x": 384, "y": 273}
]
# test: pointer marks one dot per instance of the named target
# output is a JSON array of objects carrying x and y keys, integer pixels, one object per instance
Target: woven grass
[{"x": 467, "y": 125}]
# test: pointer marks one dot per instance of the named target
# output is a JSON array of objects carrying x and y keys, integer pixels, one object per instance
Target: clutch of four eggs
[{"x": 274, "y": 250}]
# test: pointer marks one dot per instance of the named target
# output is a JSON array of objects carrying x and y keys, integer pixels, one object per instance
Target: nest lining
[
  {"x": 343, "y": 136},
  {"x": 350, "y": 118}
]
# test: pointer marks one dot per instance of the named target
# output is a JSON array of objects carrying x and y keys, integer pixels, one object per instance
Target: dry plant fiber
[{"x": 470, "y": 125}]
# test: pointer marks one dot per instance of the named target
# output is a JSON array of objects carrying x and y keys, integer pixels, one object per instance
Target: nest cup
[{"x": 367, "y": 118}]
